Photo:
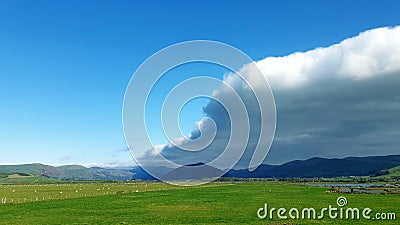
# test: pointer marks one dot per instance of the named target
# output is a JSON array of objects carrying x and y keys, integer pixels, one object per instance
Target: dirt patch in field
[{"x": 16, "y": 176}]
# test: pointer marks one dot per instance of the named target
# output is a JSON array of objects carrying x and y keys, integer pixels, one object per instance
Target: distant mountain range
[
  {"x": 314, "y": 167},
  {"x": 192, "y": 172},
  {"x": 70, "y": 172},
  {"x": 321, "y": 167}
]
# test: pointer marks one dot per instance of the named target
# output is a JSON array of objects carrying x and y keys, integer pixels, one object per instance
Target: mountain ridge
[
  {"x": 68, "y": 172},
  {"x": 321, "y": 167},
  {"x": 309, "y": 168}
]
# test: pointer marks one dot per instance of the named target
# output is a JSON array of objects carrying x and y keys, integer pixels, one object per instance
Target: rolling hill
[
  {"x": 70, "y": 172},
  {"x": 375, "y": 166},
  {"x": 393, "y": 173}
]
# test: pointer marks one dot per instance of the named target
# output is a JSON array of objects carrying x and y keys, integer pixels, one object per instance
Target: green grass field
[
  {"x": 159, "y": 203},
  {"x": 27, "y": 180}
]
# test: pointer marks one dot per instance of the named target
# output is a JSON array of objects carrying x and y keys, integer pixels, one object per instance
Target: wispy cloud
[
  {"x": 126, "y": 149},
  {"x": 63, "y": 159},
  {"x": 115, "y": 164}
]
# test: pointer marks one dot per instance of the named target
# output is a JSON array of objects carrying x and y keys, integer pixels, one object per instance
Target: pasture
[
  {"x": 25, "y": 193},
  {"x": 159, "y": 203}
]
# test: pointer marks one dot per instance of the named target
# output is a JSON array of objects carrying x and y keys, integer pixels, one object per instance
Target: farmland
[
  {"x": 24, "y": 193},
  {"x": 159, "y": 203}
]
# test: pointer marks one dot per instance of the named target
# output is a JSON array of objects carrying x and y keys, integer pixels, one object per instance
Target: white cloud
[
  {"x": 371, "y": 53},
  {"x": 157, "y": 149},
  {"x": 328, "y": 100},
  {"x": 116, "y": 164}
]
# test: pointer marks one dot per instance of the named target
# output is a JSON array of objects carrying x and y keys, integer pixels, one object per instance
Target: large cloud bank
[{"x": 342, "y": 100}]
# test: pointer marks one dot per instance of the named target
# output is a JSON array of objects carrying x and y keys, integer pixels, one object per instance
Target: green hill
[
  {"x": 393, "y": 173},
  {"x": 70, "y": 172},
  {"x": 28, "y": 179}
]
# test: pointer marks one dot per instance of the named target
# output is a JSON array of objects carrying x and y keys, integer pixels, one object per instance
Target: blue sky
[{"x": 64, "y": 65}]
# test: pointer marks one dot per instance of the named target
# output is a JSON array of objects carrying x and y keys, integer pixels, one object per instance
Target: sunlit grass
[{"x": 159, "y": 203}]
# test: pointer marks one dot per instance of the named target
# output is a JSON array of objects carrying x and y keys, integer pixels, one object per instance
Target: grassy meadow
[{"x": 159, "y": 203}]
